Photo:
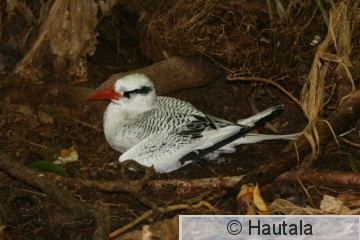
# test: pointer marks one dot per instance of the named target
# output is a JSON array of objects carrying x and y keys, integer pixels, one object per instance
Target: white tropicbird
[{"x": 168, "y": 133}]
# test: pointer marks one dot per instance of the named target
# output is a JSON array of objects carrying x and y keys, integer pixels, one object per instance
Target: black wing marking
[
  {"x": 195, "y": 128},
  {"x": 200, "y": 153}
]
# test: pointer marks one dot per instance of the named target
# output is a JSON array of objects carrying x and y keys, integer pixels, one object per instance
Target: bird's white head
[{"x": 132, "y": 89}]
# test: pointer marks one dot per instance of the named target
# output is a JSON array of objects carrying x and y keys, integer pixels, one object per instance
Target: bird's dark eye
[{"x": 143, "y": 90}]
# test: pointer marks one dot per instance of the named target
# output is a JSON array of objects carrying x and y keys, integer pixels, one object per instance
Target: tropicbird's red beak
[{"x": 106, "y": 94}]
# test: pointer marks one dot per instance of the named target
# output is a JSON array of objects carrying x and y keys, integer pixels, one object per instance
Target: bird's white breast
[{"x": 124, "y": 127}]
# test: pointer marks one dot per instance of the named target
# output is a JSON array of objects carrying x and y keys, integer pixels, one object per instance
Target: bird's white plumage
[{"x": 168, "y": 133}]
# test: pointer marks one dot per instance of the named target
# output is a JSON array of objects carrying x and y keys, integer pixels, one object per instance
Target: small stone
[
  {"x": 45, "y": 118},
  {"x": 25, "y": 110}
]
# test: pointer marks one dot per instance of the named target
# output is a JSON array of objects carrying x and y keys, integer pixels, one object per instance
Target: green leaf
[
  {"x": 354, "y": 165},
  {"x": 49, "y": 167}
]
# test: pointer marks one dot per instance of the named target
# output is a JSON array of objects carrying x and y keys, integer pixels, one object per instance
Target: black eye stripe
[{"x": 142, "y": 90}]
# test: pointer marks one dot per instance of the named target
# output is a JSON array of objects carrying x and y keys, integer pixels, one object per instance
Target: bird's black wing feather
[{"x": 200, "y": 153}]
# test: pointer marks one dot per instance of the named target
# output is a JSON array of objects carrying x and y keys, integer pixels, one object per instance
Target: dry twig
[
  {"x": 357, "y": 145},
  {"x": 235, "y": 77},
  {"x": 167, "y": 209}
]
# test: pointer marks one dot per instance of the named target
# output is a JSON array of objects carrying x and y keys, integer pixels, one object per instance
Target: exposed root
[
  {"x": 124, "y": 185},
  {"x": 149, "y": 172},
  {"x": 80, "y": 209},
  {"x": 115, "y": 186}
]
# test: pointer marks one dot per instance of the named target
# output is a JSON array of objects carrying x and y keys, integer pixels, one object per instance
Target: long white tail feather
[
  {"x": 251, "y": 120},
  {"x": 249, "y": 138}
]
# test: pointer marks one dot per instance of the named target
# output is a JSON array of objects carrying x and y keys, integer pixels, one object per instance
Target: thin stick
[
  {"x": 38, "y": 145},
  {"x": 258, "y": 79},
  {"x": 84, "y": 123},
  {"x": 161, "y": 210},
  {"x": 348, "y": 142}
]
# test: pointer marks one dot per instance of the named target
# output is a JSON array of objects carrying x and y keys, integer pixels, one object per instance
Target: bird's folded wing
[
  {"x": 192, "y": 140},
  {"x": 164, "y": 151}
]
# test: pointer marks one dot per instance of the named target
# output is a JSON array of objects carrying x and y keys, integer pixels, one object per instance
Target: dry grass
[
  {"x": 216, "y": 29},
  {"x": 313, "y": 92},
  {"x": 332, "y": 57}
]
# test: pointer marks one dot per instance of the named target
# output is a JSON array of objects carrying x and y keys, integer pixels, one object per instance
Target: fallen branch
[
  {"x": 80, "y": 209},
  {"x": 183, "y": 185},
  {"x": 186, "y": 185},
  {"x": 326, "y": 178},
  {"x": 133, "y": 187}
]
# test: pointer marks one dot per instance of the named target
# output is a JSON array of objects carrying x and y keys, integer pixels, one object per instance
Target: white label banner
[{"x": 200, "y": 227}]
